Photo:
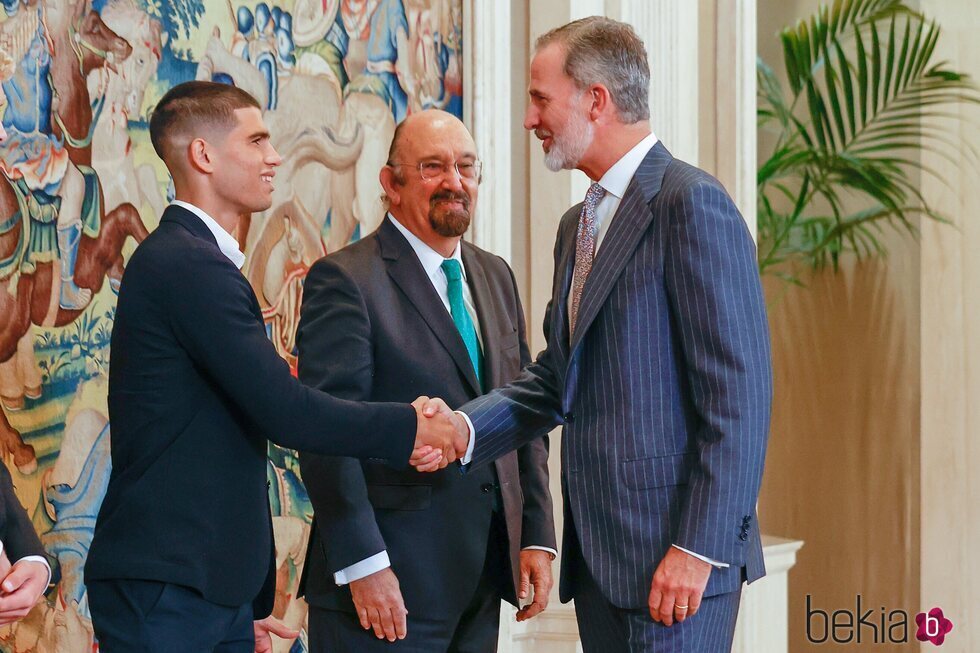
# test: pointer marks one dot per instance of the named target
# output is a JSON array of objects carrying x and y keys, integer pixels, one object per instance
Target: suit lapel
[
  {"x": 567, "y": 267},
  {"x": 406, "y": 271},
  {"x": 625, "y": 231},
  {"x": 486, "y": 315}
]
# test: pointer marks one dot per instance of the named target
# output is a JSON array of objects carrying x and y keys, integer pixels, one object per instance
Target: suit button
[
  {"x": 268, "y": 485},
  {"x": 743, "y": 536},
  {"x": 486, "y": 488},
  {"x": 569, "y": 417}
]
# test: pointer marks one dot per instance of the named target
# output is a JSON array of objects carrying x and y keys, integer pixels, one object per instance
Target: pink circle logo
[{"x": 933, "y": 626}]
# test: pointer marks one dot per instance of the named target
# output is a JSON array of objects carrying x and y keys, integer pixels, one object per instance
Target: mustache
[
  {"x": 452, "y": 196},
  {"x": 543, "y": 134}
]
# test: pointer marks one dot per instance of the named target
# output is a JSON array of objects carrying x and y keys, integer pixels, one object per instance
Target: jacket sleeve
[
  {"x": 213, "y": 318},
  {"x": 16, "y": 530},
  {"x": 335, "y": 355},
  {"x": 716, "y": 299},
  {"x": 528, "y": 407}
]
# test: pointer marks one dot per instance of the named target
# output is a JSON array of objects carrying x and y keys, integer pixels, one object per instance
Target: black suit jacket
[
  {"x": 195, "y": 391},
  {"x": 16, "y": 531},
  {"x": 372, "y": 327}
]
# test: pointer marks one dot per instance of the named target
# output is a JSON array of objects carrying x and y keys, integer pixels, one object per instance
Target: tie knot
[
  {"x": 452, "y": 269},
  {"x": 594, "y": 194}
]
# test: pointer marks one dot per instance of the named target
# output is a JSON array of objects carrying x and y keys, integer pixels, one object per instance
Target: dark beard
[{"x": 449, "y": 223}]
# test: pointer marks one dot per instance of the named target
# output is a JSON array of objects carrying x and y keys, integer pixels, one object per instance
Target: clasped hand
[
  {"x": 21, "y": 588},
  {"x": 441, "y": 437}
]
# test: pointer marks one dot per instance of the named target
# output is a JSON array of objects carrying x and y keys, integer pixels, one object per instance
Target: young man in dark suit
[
  {"x": 182, "y": 557},
  {"x": 411, "y": 309}
]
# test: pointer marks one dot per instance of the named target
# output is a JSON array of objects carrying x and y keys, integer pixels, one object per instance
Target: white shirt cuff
[
  {"x": 713, "y": 563},
  {"x": 40, "y": 559},
  {"x": 465, "y": 460},
  {"x": 365, "y": 567},
  {"x": 534, "y": 547}
]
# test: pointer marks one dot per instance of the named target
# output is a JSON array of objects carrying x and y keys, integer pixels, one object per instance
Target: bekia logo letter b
[{"x": 933, "y": 626}]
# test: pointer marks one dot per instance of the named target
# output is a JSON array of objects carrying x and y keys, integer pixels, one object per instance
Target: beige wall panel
[
  {"x": 950, "y": 501},
  {"x": 842, "y": 471}
]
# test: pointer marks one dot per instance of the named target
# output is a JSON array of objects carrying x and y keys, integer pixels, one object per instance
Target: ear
[
  {"x": 390, "y": 185},
  {"x": 199, "y": 154},
  {"x": 601, "y": 101}
]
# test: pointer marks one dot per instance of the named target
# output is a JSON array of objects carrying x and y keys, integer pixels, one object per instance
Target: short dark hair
[
  {"x": 604, "y": 51},
  {"x": 187, "y": 107}
]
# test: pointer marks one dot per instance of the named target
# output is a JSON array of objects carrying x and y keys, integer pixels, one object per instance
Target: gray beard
[{"x": 568, "y": 150}]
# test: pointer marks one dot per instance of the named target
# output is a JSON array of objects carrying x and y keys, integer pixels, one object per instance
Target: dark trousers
[
  {"x": 605, "y": 628},
  {"x": 473, "y": 629},
  {"x": 145, "y": 616}
]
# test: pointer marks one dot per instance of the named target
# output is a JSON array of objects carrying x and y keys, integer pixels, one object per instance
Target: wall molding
[{"x": 487, "y": 96}]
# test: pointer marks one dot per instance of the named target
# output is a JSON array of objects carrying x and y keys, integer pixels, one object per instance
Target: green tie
[{"x": 461, "y": 317}]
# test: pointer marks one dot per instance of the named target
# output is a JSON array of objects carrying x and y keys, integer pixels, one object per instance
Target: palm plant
[{"x": 866, "y": 98}]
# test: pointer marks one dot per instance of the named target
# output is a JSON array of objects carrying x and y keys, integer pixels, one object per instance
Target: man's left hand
[
  {"x": 677, "y": 587},
  {"x": 263, "y": 628},
  {"x": 21, "y": 588},
  {"x": 535, "y": 572}
]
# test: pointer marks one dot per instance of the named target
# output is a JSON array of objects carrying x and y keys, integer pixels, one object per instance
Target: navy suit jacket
[
  {"x": 373, "y": 327},
  {"x": 195, "y": 392},
  {"x": 664, "y": 390}
]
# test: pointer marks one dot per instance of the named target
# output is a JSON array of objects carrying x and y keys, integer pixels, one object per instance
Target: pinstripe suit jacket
[{"x": 664, "y": 389}]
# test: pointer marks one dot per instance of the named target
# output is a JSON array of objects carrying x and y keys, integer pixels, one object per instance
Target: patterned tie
[
  {"x": 461, "y": 317},
  {"x": 584, "y": 251}
]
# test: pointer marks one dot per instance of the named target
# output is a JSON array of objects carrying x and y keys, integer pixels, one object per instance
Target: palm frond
[{"x": 866, "y": 98}]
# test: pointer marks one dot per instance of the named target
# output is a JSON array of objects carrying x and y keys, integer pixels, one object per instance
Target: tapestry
[{"x": 82, "y": 187}]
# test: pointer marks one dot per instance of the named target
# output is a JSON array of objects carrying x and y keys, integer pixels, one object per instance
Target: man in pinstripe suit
[{"x": 657, "y": 363}]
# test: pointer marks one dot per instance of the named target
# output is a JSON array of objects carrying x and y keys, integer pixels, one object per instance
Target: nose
[
  {"x": 530, "y": 118},
  {"x": 452, "y": 179},
  {"x": 273, "y": 158}
]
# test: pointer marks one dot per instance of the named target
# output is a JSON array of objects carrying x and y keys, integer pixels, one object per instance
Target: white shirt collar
[
  {"x": 226, "y": 242},
  {"x": 430, "y": 259},
  {"x": 617, "y": 178}
]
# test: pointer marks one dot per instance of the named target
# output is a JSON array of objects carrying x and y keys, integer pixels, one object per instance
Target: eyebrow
[
  {"x": 263, "y": 133},
  {"x": 440, "y": 157}
]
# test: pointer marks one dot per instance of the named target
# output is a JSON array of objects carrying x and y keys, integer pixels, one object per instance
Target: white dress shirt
[
  {"x": 431, "y": 261},
  {"x": 226, "y": 242},
  {"x": 614, "y": 182}
]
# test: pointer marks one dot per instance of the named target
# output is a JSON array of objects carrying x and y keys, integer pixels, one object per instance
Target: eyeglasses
[{"x": 430, "y": 170}]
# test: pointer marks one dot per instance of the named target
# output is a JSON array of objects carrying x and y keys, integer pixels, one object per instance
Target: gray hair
[{"x": 604, "y": 51}]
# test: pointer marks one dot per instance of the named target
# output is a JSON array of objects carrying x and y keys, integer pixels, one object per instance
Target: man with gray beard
[
  {"x": 657, "y": 364},
  {"x": 421, "y": 561}
]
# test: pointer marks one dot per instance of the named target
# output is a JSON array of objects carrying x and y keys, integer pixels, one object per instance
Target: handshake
[{"x": 442, "y": 436}]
